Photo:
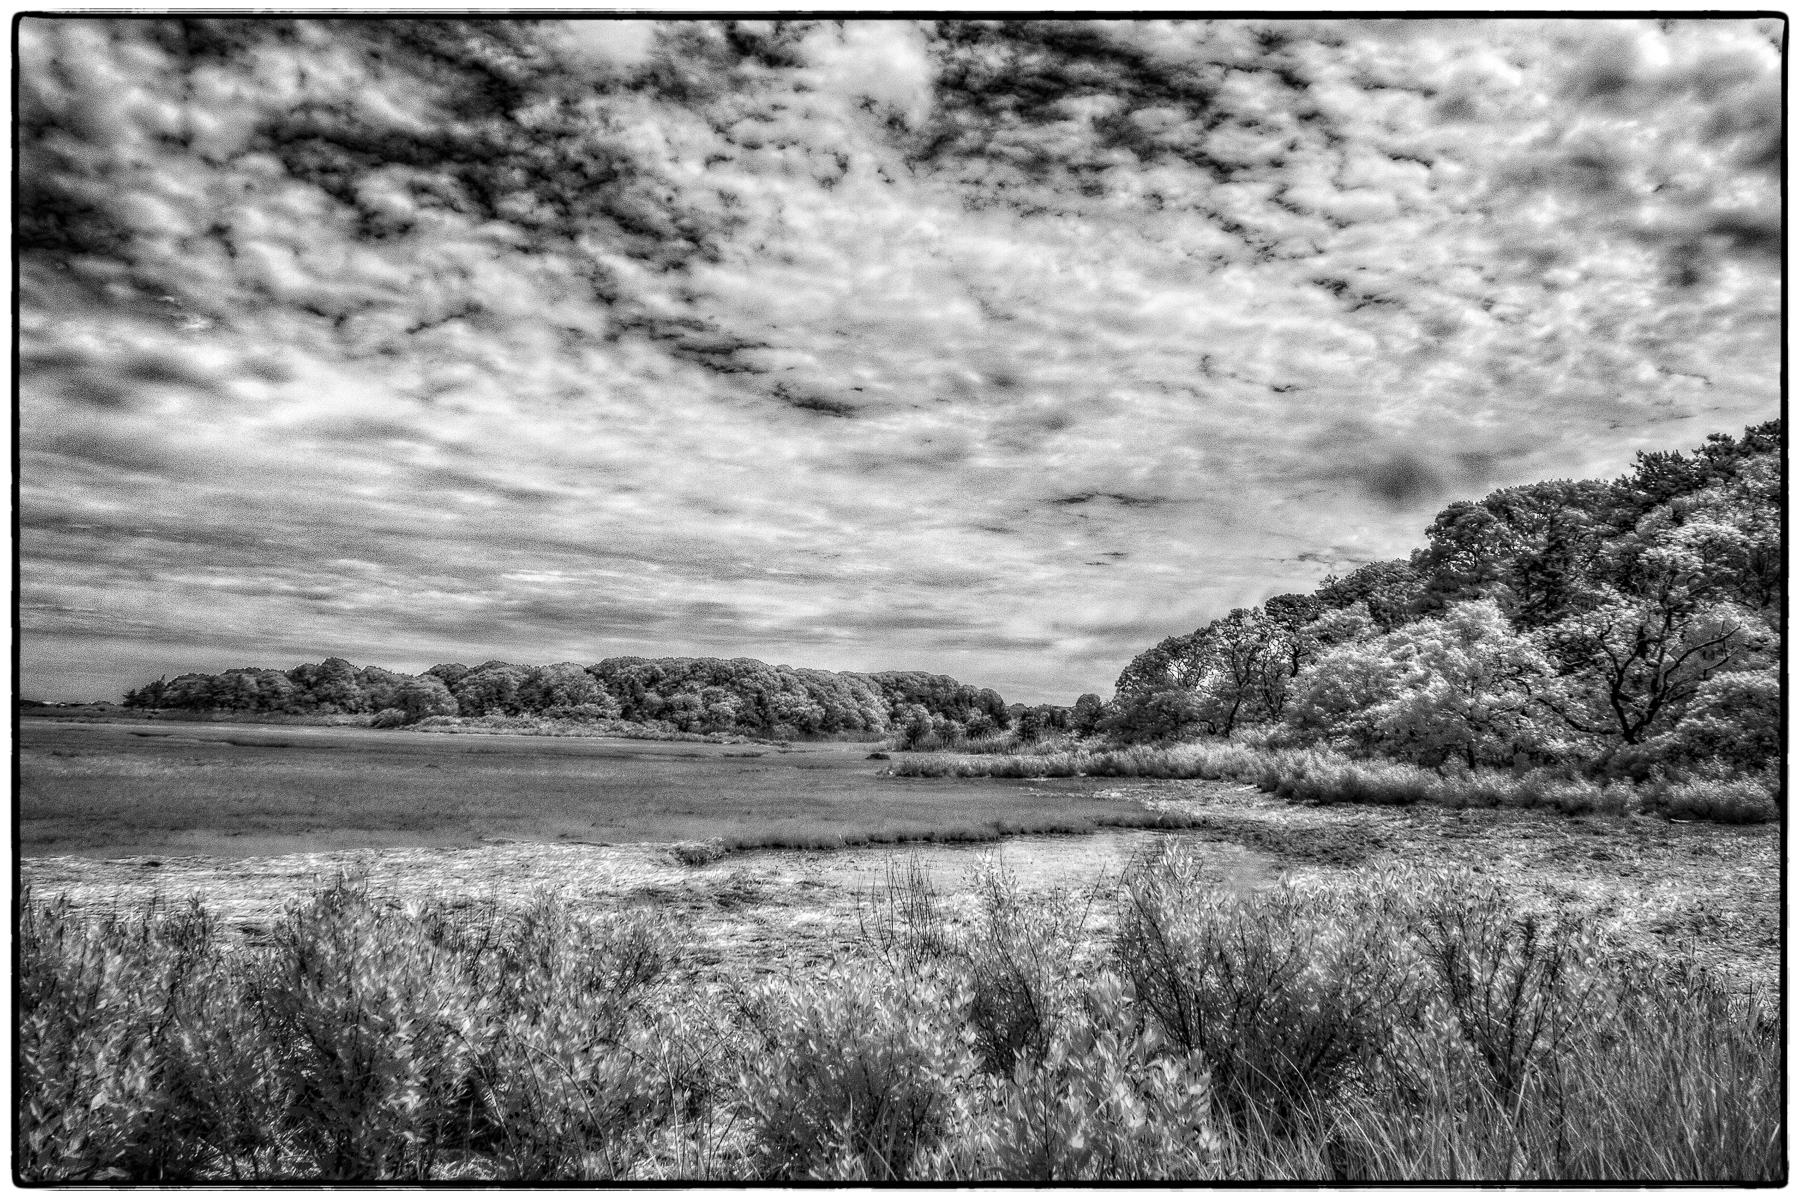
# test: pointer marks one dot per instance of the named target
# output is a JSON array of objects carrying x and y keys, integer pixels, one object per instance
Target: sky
[{"x": 1002, "y": 350}]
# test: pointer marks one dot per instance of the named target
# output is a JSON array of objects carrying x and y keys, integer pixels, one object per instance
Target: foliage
[
  {"x": 1461, "y": 687},
  {"x": 1106, "y": 1100},
  {"x": 851, "y": 1078},
  {"x": 1575, "y": 623},
  {"x": 1388, "y": 1024},
  {"x": 700, "y": 696},
  {"x": 1277, "y": 990}
]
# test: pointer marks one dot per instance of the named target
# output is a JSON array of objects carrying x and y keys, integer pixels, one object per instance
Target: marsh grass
[
  {"x": 1327, "y": 777},
  {"x": 1391, "y": 1024},
  {"x": 109, "y": 793}
]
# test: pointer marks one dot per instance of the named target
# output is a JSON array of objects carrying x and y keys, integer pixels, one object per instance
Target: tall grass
[
  {"x": 1395, "y": 1025},
  {"x": 1328, "y": 777}
]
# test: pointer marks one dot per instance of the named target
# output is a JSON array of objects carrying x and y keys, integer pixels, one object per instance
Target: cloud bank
[{"x": 1000, "y": 349}]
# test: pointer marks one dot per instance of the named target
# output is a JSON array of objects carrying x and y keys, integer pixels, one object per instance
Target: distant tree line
[
  {"x": 1620, "y": 625},
  {"x": 689, "y": 695}
]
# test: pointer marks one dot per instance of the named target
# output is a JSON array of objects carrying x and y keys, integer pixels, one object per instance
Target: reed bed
[{"x": 1327, "y": 777}]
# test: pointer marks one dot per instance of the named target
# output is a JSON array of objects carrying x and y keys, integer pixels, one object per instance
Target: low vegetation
[
  {"x": 548, "y": 726},
  {"x": 191, "y": 788},
  {"x": 1393, "y": 1025},
  {"x": 1329, "y": 777}
]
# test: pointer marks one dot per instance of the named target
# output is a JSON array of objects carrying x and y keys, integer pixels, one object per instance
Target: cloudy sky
[{"x": 1000, "y": 350}]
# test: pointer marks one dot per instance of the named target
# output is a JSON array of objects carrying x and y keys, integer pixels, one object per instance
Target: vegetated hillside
[
  {"x": 688, "y": 695},
  {"x": 1618, "y": 628}
]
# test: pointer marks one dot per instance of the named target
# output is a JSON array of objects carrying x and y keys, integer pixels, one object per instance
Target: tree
[
  {"x": 1460, "y": 687},
  {"x": 491, "y": 688},
  {"x": 560, "y": 685},
  {"x": 1631, "y": 665},
  {"x": 192, "y": 691},
  {"x": 424, "y": 696},
  {"x": 1244, "y": 669},
  {"x": 1392, "y": 592},
  {"x": 1085, "y": 717},
  {"x": 1156, "y": 716},
  {"x": 1528, "y": 548},
  {"x": 1175, "y": 663},
  {"x": 1734, "y": 720},
  {"x": 380, "y": 687},
  {"x": 329, "y": 687},
  {"x": 148, "y": 696}
]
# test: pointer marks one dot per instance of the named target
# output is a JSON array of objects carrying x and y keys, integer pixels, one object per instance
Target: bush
[
  {"x": 1285, "y": 992},
  {"x": 367, "y": 1023},
  {"x": 1020, "y": 962},
  {"x": 109, "y": 1081},
  {"x": 1105, "y": 1101},
  {"x": 1382, "y": 1024},
  {"x": 574, "y": 1022},
  {"x": 1532, "y": 1051},
  {"x": 699, "y": 854},
  {"x": 853, "y": 1077},
  {"x": 1730, "y": 800}
]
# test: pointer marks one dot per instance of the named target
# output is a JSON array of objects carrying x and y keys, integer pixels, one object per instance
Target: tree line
[
  {"x": 688, "y": 695},
  {"x": 1618, "y": 626}
]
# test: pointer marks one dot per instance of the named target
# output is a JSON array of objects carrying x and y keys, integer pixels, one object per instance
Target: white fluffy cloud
[{"x": 1002, "y": 350}]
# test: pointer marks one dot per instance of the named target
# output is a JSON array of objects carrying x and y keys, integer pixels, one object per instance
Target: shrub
[
  {"x": 574, "y": 1011},
  {"x": 370, "y": 1029},
  {"x": 903, "y": 921},
  {"x": 853, "y": 1077},
  {"x": 1536, "y": 1054},
  {"x": 1327, "y": 777},
  {"x": 1021, "y": 962},
  {"x": 1731, "y": 800},
  {"x": 1512, "y": 981},
  {"x": 107, "y": 1089},
  {"x": 698, "y": 854},
  {"x": 1285, "y": 992},
  {"x": 1104, "y": 1101},
  {"x": 1383, "y": 1024}
]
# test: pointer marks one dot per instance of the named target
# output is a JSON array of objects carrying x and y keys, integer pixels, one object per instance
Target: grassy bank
[
  {"x": 540, "y": 725},
  {"x": 1331, "y": 778},
  {"x": 1397, "y": 1025}
]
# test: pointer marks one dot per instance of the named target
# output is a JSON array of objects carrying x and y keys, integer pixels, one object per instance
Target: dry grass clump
[
  {"x": 1328, "y": 777},
  {"x": 1733, "y": 800},
  {"x": 1394, "y": 1025}
]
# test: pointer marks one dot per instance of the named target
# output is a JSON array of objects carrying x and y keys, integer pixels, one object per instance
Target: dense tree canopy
[
  {"x": 694, "y": 695},
  {"x": 1587, "y": 621}
]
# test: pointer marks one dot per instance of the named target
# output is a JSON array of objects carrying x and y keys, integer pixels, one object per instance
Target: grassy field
[{"x": 114, "y": 790}]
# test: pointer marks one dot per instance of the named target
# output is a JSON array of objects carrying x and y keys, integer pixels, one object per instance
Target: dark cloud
[
  {"x": 1119, "y": 498},
  {"x": 1401, "y": 481}
]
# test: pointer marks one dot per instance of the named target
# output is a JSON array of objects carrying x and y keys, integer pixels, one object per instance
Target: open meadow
[{"x": 567, "y": 959}]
